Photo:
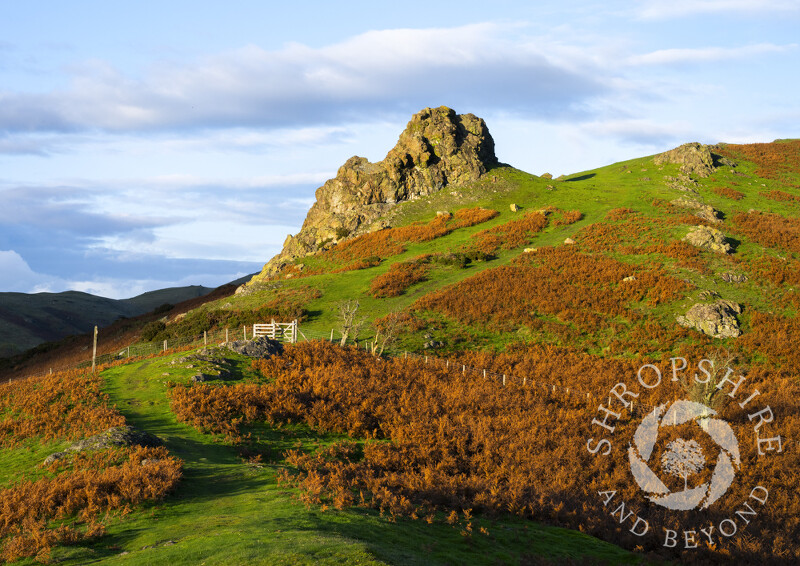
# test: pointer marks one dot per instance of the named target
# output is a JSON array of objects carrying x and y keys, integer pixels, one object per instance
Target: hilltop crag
[{"x": 438, "y": 148}]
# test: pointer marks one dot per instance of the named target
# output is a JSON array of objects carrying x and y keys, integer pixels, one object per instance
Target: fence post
[
  {"x": 226, "y": 335},
  {"x": 331, "y": 334},
  {"x": 484, "y": 374},
  {"x": 504, "y": 379},
  {"x": 205, "y": 337},
  {"x": 524, "y": 381},
  {"x": 94, "y": 349},
  {"x": 294, "y": 331},
  {"x": 244, "y": 329},
  {"x": 129, "y": 352},
  {"x": 165, "y": 345}
]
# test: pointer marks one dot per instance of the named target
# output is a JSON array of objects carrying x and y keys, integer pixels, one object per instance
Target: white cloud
[
  {"x": 404, "y": 69},
  {"x": 660, "y": 10},
  {"x": 706, "y": 54},
  {"x": 643, "y": 131},
  {"x": 15, "y": 273}
]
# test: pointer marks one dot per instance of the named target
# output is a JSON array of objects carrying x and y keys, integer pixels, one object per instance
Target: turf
[{"x": 229, "y": 511}]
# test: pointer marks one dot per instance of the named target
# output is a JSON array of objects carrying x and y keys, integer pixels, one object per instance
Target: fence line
[
  {"x": 144, "y": 349},
  {"x": 502, "y": 378}
]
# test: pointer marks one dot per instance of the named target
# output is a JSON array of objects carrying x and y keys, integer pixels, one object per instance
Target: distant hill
[{"x": 27, "y": 320}]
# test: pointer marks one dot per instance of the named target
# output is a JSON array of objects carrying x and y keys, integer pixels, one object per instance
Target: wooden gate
[{"x": 282, "y": 331}]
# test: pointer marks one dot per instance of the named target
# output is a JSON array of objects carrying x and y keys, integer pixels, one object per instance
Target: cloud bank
[{"x": 375, "y": 72}]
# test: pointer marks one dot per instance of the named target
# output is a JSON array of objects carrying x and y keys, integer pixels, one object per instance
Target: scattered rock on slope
[
  {"x": 709, "y": 239},
  {"x": 694, "y": 158},
  {"x": 113, "y": 437},
  {"x": 717, "y": 319},
  {"x": 437, "y": 148},
  {"x": 704, "y": 211},
  {"x": 261, "y": 347}
]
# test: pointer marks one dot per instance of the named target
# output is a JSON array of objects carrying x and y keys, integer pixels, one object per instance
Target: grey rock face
[
  {"x": 704, "y": 211},
  {"x": 438, "y": 148},
  {"x": 694, "y": 158},
  {"x": 708, "y": 238},
  {"x": 114, "y": 437},
  {"x": 717, "y": 319},
  {"x": 261, "y": 347}
]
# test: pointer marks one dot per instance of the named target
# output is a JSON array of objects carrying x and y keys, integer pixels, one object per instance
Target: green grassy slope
[
  {"x": 636, "y": 184},
  {"x": 228, "y": 510}
]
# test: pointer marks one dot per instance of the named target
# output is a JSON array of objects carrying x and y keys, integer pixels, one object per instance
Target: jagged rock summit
[
  {"x": 694, "y": 158},
  {"x": 437, "y": 148}
]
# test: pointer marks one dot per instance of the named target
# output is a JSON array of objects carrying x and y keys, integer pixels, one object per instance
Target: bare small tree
[
  {"x": 707, "y": 393},
  {"x": 349, "y": 324},
  {"x": 683, "y": 459},
  {"x": 388, "y": 329}
]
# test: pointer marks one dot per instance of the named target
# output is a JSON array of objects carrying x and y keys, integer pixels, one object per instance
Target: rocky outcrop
[
  {"x": 437, "y": 148},
  {"x": 717, "y": 319},
  {"x": 113, "y": 437},
  {"x": 704, "y": 211},
  {"x": 261, "y": 347},
  {"x": 708, "y": 238},
  {"x": 694, "y": 159}
]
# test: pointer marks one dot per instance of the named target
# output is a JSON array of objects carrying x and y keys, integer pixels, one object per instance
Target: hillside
[
  {"x": 27, "y": 320},
  {"x": 508, "y": 308}
]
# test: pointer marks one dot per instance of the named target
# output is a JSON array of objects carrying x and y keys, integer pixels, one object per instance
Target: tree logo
[{"x": 683, "y": 458}]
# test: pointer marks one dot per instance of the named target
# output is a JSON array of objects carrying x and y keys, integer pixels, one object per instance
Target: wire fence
[{"x": 227, "y": 335}]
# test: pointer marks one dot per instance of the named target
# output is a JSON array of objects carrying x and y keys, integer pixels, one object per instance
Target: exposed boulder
[
  {"x": 733, "y": 277},
  {"x": 704, "y": 211},
  {"x": 694, "y": 158},
  {"x": 114, "y": 437},
  {"x": 202, "y": 377},
  {"x": 514, "y": 207},
  {"x": 261, "y": 347},
  {"x": 438, "y": 148},
  {"x": 708, "y": 238},
  {"x": 717, "y": 319},
  {"x": 681, "y": 183}
]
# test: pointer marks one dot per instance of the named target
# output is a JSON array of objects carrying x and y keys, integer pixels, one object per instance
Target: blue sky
[{"x": 154, "y": 144}]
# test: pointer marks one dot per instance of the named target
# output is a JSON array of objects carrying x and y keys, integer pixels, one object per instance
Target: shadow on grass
[{"x": 581, "y": 177}]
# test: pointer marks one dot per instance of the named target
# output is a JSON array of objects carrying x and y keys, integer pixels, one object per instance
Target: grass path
[{"x": 228, "y": 512}]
